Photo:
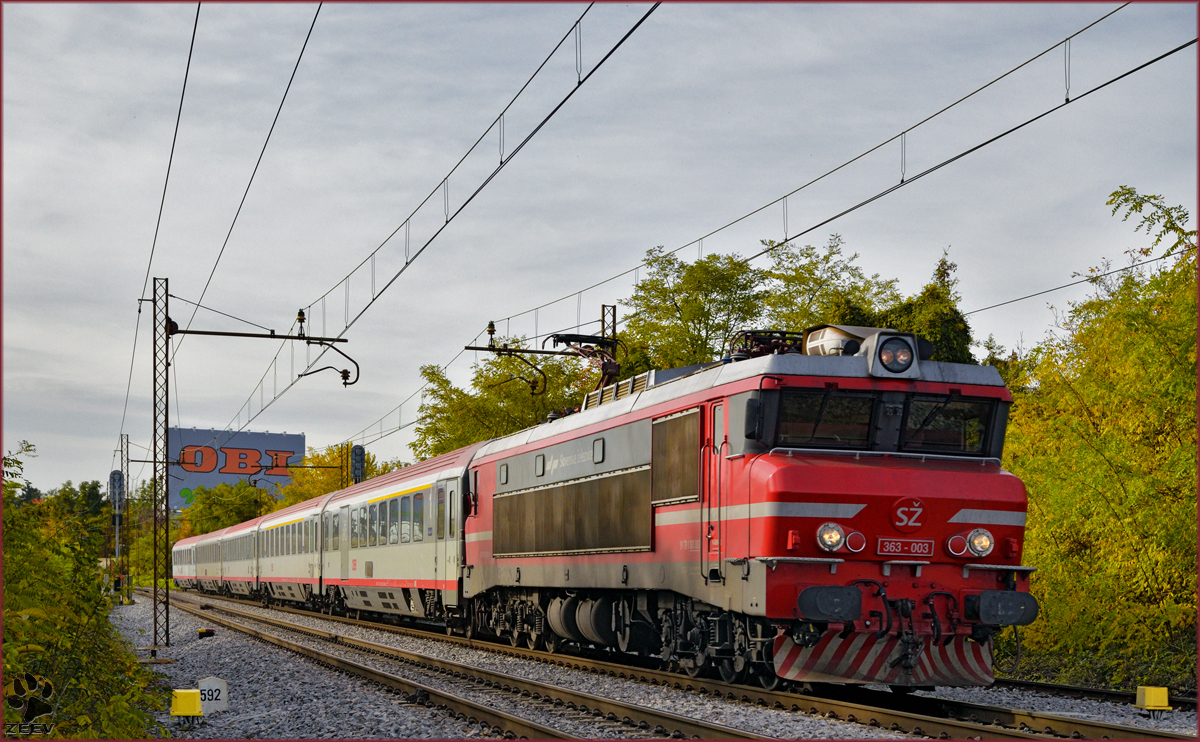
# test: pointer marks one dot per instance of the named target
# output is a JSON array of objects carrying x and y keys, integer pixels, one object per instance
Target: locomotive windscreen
[
  {"x": 825, "y": 418},
  {"x": 946, "y": 424}
]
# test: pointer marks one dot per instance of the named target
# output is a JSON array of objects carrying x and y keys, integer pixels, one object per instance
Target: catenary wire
[
  {"x": 948, "y": 161},
  {"x": 495, "y": 122},
  {"x": 1089, "y": 279},
  {"x": 851, "y": 209},
  {"x": 223, "y": 314},
  {"x": 158, "y": 222},
  {"x": 828, "y": 173},
  {"x": 255, "y": 171}
]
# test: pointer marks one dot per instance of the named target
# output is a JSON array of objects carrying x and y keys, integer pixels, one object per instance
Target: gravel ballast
[
  {"x": 275, "y": 694},
  {"x": 768, "y": 722}
]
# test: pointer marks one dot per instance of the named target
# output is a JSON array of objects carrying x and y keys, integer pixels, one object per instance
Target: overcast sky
[{"x": 706, "y": 113}]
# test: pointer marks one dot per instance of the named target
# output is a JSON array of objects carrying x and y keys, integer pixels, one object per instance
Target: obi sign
[{"x": 207, "y": 458}]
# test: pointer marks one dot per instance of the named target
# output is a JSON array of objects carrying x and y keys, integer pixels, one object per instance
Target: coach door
[
  {"x": 445, "y": 558},
  {"x": 715, "y": 445},
  {"x": 344, "y": 542}
]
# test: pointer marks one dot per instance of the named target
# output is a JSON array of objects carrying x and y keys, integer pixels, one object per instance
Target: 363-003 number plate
[{"x": 905, "y": 547}]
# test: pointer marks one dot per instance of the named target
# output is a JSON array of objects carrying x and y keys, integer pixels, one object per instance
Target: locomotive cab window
[
  {"x": 947, "y": 424},
  {"x": 825, "y": 418}
]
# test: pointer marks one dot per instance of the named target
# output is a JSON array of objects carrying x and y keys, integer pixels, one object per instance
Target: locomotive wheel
[
  {"x": 728, "y": 674},
  {"x": 769, "y": 680}
]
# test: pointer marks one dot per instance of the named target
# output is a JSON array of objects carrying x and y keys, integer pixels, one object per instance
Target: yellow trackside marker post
[
  {"x": 186, "y": 704},
  {"x": 1152, "y": 699}
]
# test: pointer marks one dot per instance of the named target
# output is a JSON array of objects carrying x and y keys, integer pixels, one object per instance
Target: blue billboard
[{"x": 210, "y": 457}]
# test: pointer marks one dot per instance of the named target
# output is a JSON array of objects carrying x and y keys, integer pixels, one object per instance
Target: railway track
[
  {"x": 602, "y": 717},
  {"x": 921, "y": 715},
  {"x": 1183, "y": 702}
]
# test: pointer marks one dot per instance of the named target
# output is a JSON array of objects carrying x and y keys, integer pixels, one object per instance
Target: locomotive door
[
  {"x": 713, "y": 542},
  {"x": 344, "y": 542}
]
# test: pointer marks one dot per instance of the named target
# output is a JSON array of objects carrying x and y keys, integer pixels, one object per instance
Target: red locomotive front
[{"x": 825, "y": 509}]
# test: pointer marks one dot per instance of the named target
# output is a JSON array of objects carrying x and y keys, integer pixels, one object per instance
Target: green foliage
[
  {"x": 499, "y": 402},
  {"x": 221, "y": 506},
  {"x": 686, "y": 313},
  {"x": 806, "y": 285},
  {"x": 932, "y": 314},
  {"x": 328, "y": 471},
  {"x": 1104, "y": 437},
  {"x": 56, "y": 617}
]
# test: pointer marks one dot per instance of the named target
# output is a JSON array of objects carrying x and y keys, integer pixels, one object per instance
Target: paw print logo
[{"x": 30, "y": 696}]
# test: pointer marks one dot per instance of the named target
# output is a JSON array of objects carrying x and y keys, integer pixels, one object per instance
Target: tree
[
  {"x": 500, "y": 400},
  {"x": 324, "y": 471},
  {"x": 14, "y": 469},
  {"x": 687, "y": 313},
  {"x": 806, "y": 285},
  {"x": 221, "y": 506},
  {"x": 1104, "y": 437},
  {"x": 932, "y": 314},
  {"x": 56, "y": 625}
]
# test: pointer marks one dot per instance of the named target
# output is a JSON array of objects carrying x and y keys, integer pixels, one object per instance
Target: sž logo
[
  {"x": 908, "y": 514},
  {"x": 29, "y": 695}
]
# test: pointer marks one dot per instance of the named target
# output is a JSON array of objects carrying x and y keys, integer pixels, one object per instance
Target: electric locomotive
[{"x": 824, "y": 507}]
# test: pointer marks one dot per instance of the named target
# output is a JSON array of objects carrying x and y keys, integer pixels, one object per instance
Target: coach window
[
  {"x": 304, "y": 545},
  {"x": 539, "y": 465},
  {"x": 441, "y": 512},
  {"x": 504, "y": 474},
  {"x": 419, "y": 517},
  {"x": 406, "y": 520},
  {"x": 354, "y": 528},
  {"x": 383, "y": 523},
  {"x": 362, "y": 526},
  {"x": 336, "y": 540},
  {"x": 372, "y": 524},
  {"x": 394, "y": 520},
  {"x": 325, "y": 531}
]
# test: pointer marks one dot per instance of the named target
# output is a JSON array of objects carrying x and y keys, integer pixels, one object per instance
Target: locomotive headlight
[
  {"x": 980, "y": 542},
  {"x": 896, "y": 355},
  {"x": 831, "y": 537}
]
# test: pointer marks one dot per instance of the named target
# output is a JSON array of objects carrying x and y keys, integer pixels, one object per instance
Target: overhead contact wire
[
  {"x": 948, "y": 161},
  {"x": 842, "y": 166},
  {"x": 255, "y": 171},
  {"x": 161, "y": 204},
  {"x": 450, "y": 218}
]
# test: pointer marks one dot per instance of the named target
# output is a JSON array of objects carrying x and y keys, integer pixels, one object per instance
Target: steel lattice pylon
[
  {"x": 161, "y": 504},
  {"x": 123, "y": 564}
]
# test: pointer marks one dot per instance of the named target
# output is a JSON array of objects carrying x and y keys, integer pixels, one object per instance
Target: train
[{"x": 817, "y": 507}]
